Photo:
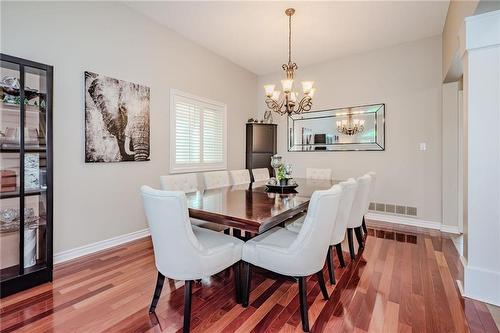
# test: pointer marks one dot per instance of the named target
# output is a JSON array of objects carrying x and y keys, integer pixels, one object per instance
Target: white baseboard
[
  {"x": 397, "y": 219},
  {"x": 410, "y": 221},
  {"x": 99, "y": 246},
  {"x": 459, "y": 244},
  {"x": 482, "y": 285},
  {"x": 451, "y": 229}
]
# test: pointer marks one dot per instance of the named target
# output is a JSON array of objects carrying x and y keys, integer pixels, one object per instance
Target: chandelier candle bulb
[
  {"x": 269, "y": 89},
  {"x": 287, "y": 85},
  {"x": 311, "y": 93},
  {"x": 307, "y": 86},
  {"x": 293, "y": 97}
]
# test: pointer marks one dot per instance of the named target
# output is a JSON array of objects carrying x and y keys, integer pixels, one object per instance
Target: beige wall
[
  {"x": 457, "y": 12},
  {"x": 93, "y": 202},
  {"x": 408, "y": 79}
]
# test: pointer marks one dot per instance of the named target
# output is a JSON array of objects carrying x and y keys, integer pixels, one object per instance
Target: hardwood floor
[{"x": 403, "y": 281}]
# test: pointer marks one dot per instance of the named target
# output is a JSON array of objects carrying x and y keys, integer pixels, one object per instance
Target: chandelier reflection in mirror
[
  {"x": 350, "y": 126},
  {"x": 286, "y": 102}
]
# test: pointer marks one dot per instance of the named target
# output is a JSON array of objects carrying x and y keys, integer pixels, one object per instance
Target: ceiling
[{"x": 254, "y": 34}]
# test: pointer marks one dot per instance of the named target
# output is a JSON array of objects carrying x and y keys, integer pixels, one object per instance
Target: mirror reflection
[{"x": 353, "y": 128}]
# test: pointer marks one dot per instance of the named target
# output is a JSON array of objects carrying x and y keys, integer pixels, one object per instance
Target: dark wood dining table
[{"x": 251, "y": 207}]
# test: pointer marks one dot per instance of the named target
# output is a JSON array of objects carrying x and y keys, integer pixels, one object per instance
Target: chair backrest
[
  {"x": 177, "y": 250},
  {"x": 260, "y": 174},
  {"x": 312, "y": 173},
  {"x": 216, "y": 179},
  {"x": 310, "y": 247},
  {"x": 348, "y": 192},
  {"x": 240, "y": 177},
  {"x": 360, "y": 203},
  {"x": 186, "y": 183}
]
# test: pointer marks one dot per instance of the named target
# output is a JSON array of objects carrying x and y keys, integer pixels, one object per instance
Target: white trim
[
  {"x": 460, "y": 287},
  {"x": 397, "y": 219},
  {"x": 459, "y": 244},
  {"x": 451, "y": 229},
  {"x": 482, "y": 30},
  {"x": 198, "y": 167},
  {"x": 463, "y": 261},
  {"x": 414, "y": 222},
  {"x": 482, "y": 284},
  {"x": 99, "y": 246}
]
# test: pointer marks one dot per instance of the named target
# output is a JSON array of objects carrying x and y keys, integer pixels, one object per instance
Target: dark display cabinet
[
  {"x": 261, "y": 145},
  {"x": 26, "y": 174}
]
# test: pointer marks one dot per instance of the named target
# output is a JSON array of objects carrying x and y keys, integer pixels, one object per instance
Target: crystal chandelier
[
  {"x": 286, "y": 102},
  {"x": 350, "y": 126}
]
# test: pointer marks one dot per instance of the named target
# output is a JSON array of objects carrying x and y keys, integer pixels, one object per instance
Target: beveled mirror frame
[{"x": 371, "y": 139}]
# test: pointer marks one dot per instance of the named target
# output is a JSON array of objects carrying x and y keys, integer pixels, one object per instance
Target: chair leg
[
  {"x": 188, "y": 286},
  {"x": 340, "y": 254},
  {"x": 237, "y": 281},
  {"x": 329, "y": 264},
  {"x": 351, "y": 243},
  {"x": 156, "y": 296},
  {"x": 364, "y": 226},
  {"x": 359, "y": 237},
  {"x": 246, "y": 283},
  {"x": 237, "y": 233},
  {"x": 322, "y": 286},
  {"x": 303, "y": 303}
]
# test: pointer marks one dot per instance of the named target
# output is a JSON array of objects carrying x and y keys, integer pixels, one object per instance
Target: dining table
[{"x": 252, "y": 207}]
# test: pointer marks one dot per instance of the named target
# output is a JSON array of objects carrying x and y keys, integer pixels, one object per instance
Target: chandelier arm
[
  {"x": 305, "y": 104},
  {"x": 275, "y": 106}
]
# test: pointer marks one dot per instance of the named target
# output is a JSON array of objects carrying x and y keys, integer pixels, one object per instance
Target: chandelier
[
  {"x": 286, "y": 102},
  {"x": 350, "y": 126}
]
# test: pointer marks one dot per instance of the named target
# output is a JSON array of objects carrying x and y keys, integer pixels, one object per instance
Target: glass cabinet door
[
  {"x": 10, "y": 124},
  {"x": 35, "y": 168},
  {"x": 23, "y": 189}
]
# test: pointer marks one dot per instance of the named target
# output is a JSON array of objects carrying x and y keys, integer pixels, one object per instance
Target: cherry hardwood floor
[{"x": 403, "y": 281}]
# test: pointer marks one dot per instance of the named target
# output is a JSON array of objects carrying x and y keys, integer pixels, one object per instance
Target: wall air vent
[{"x": 393, "y": 209}]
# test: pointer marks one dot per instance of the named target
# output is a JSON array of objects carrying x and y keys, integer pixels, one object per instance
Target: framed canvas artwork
[{"x": 116, "y": 120}]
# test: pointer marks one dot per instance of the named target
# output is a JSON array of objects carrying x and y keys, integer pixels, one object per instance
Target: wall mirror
[{"x": 345, "y": 129}]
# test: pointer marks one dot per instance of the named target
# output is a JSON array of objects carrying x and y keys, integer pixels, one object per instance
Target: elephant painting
[{"x": 116, "y": 120}]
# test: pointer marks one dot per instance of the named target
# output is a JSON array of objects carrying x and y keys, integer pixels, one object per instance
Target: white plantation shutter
[
  {"x": 198, "y": 134},
  {"x": 213, "y": 136},
  {"x": 187, "y": 133}
]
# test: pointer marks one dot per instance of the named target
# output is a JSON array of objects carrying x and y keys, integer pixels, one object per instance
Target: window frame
[{"x": 175, "y": 168}]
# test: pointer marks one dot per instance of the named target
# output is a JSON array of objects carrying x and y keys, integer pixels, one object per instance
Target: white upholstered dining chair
[
  {"x": 216, "y": 179},
  {"x": 296, "y": 254},
  {"x": 358, "y": 211},
  {"x": 349, "y": 188},
  {"x": 318, "y": 174},
  {"x": 188, "y": 183},
  {"x": 239, "y": 177},
  {"x": 260, "y": 174},
  {"x": 182, "y": 251},
  {"x": 340, "y": 224}
]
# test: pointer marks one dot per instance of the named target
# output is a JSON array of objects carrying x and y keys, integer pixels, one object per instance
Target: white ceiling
[{"x": 254, "y": 34}]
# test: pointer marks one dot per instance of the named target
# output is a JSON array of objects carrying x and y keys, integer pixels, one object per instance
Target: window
[{"x": 197, "y": 133}]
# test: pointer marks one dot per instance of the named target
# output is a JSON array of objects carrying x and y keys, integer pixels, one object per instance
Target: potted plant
[{"x": 281, "y": 175}]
